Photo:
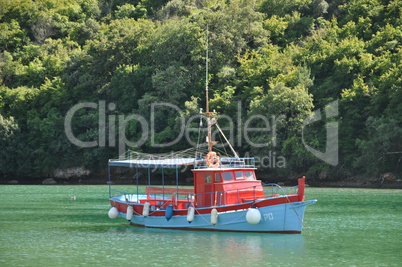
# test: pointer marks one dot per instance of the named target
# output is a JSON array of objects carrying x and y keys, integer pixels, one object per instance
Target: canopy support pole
[
  {"x": 177, "y": 179},
  {"x": 149, "y": 176},
  {"x": 163, "y": 184},
  {"x": 136, "y": 176},
  {"x": 109, "y": 180}
]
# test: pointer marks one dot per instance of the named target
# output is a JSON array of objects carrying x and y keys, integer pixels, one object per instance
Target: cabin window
[
  {"x": 207, "y": 178},
  {"x": 249, "y": 175},
  {"x": 239, "y": 175},
  {"x": 217, "y": 177},
  {"x": 227, "y": 176}
]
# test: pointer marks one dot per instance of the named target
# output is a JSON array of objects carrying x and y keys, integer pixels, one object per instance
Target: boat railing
[
  {"x": 229, "y": 163},
  {"x": 127, "y": 196},
  {"x": 182, "y": 200},
  {"x": 160, "y": 197},
  {"x": 243, "y": 195},
  {"x": 271, "y": 189}
]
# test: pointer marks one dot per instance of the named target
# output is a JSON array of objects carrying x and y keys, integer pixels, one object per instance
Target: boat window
[
  {"x": 249, "y": 175},
  {"x": 207, "y": 178},
  {"x": 227, "y": 176},
  {"x": 239, "y": 175},
  {"x": 217, "y": 177}
]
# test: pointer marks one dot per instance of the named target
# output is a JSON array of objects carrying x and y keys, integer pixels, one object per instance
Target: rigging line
[
  {"x": 224, "y": 148},
  {"x": 186, "y": 152},
  {"x": 198, "y": 141},
  {"x": 202, "y": 216},
  {"x": 243, "y": 214},
  {"x": 222, "y": 152},
  {"x": 227, "y": 141},
  {"x": 297, "y": 214}
]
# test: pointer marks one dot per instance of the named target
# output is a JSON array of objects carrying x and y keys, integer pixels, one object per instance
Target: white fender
[
  {"x": 145, "y": 210},
  {"x": 113, "y": 213},
  {"x": 190, "y": 214},
  {"x": 214, "y": 216},
  {"x": 253, "y": 216},
  {"x": 129, "y": 213}
]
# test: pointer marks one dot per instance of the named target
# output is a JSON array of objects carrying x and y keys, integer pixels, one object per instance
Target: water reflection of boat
[
  {"x": 226, "y": 195},
  {"x": 200, "y": 248}
]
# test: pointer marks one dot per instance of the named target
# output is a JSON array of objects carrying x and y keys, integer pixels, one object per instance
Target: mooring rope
[{"x": 297, "y": 214}]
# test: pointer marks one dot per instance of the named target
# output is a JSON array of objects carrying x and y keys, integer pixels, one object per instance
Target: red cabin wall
[
  {"x": 202, "y": 186},
  {"x": 236, "y": 190}
]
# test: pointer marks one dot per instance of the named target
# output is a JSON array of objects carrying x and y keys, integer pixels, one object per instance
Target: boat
[{"x": 226, "y": 194}]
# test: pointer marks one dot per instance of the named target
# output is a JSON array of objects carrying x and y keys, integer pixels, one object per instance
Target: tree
[
  {"x": 381, "y": 150},
  {"x": 279, "y": 58},
  {"x": 12, "y": 149},
  {"x": 12, "y": 37}
]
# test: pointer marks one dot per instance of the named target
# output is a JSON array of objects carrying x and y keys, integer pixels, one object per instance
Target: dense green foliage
[{"x": 277, "y": 59}]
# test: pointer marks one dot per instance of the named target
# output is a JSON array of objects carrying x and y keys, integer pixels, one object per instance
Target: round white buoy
[
  {"x": 113, "y": 213},
  {"x": 145, "y": 210},
  {"x": 253, "y": 216},
  {"x": 129, "y": 213},
  {"x": 214, "y": 216},
  {"x": 190, "y": 214}
]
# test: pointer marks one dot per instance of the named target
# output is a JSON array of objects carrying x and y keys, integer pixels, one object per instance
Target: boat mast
[
  {"x": 210, "y": 120},
  {"x": 206, "y": 76}
]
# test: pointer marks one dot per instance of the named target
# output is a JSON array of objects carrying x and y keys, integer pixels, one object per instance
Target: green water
[{"x": 42, "y": 226}]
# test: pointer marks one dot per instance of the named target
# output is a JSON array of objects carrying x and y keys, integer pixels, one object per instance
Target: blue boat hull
[{"x": 282, "y": 218}]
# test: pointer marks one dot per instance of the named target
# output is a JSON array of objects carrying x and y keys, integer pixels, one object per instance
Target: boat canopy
[
  {"x": 154, "y": 163},
  {"x": 173, "y": 163},
  {"x": 133, "y": 159}
]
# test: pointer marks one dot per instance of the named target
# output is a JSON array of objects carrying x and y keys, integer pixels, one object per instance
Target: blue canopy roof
[
  {"x": 152, "y": 163},
  {"x": 177, "y": 162}
]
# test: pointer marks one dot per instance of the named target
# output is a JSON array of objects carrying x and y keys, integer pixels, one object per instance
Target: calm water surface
[{"x": 42, "y": 226}]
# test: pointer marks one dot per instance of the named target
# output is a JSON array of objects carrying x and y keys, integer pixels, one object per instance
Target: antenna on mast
[
  {"x": 211, "y": 116},
  {"x": 210, "y": 120},
  {"x": 206, "y": 75}
]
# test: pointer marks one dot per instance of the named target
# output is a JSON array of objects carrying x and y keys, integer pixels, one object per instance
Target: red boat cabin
[{"x": 225, "y": 186}]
